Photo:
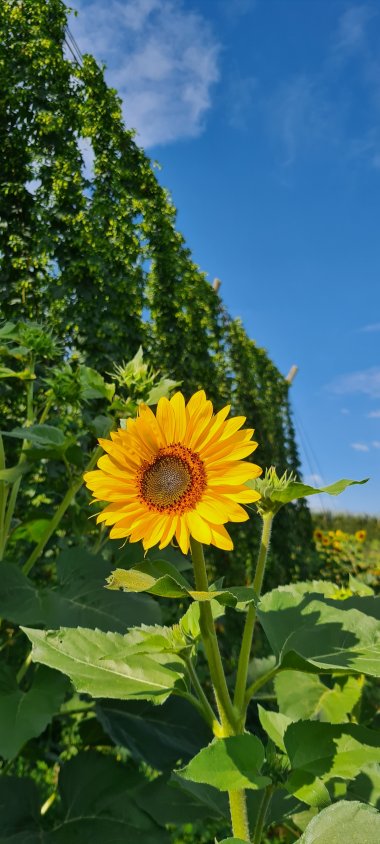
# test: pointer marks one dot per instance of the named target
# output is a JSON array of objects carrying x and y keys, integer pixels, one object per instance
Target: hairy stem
[
  {"x": 246, "y": 645},
  {"x": 229, "y": 724}
]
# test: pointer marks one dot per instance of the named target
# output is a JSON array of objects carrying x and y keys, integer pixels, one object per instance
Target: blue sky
[{"x": 265, "y": 118}]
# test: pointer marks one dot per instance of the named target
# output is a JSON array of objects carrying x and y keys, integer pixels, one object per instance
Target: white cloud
[
  {"x": 313, "y": 479},
  {"x": 366, "y": 381},
  {"x": 374, "y": 414},
  {"x": 160, "y": 56},
  {"x": 360, "y": 446},
  {"x": 352, "y": 28},
  {"x": 301, "y": 116},
  {"x": 375, "y": 443},
  {"x": 374, "y": 326}
]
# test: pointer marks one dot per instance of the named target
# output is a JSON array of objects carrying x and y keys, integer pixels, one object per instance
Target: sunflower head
[
  {"x": 361, "y": 535},
  {"x": 178, "y": 473}
]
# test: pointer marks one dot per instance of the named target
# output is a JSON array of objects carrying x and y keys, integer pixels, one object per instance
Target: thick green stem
[
  {"x": 60, "y": 512},
  {"x": 210, "y": 642},
  {"x": 239, "y": 817},
  {"x": 267, "y": 796},
  {"x": 246, "y": 645},
  {"x": 229, "y": 724}
]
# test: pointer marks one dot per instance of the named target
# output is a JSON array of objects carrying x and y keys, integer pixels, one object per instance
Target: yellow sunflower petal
[
  {"x": 198, "y": 527},
  {"x": 221, "y": 538},
  {"x": 166, "y": 419},
  {"x": 177, "y": 404},
  {"x": 182, "y": 534}
]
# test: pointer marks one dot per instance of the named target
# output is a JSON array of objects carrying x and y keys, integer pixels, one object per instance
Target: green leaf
[
  {"x": 297, "y": 490},
  {"x": 78, "y": 600},
  {"x": 19, "y": 811},
  {"x": 309, "y": 632},
  {"x": 344, "y": 821},
  {"x": 93, "y": 385},
  {"x": 162, "y": 389},
  {"x": 329, "y": 751},
  {"x": 366, "y": 786},
  {"x": 42, "y": 436},
  {"x": 305, "y": 696},
  {"x": 107, "y": 664},
  {"x": 98, "y": 805},
  {"x": 158, "y": 578},
  {"x": 178, "y": 801},
  {"x": 24, "y": 715},
  {"x": 160, "y": 736},
  {"x": 162, "y": 579},
  {"x": 275, "y": 725},
  {"x": 229, "y": 764},
  {"x": 20, "y": 600}
]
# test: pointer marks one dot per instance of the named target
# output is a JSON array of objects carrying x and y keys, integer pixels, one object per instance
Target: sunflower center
[
  {"x": 166, "y": 481},
  {"x": 174, "y": 481}
]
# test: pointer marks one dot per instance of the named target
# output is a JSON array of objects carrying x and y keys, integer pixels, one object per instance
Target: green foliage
[
  {"x": 352, "y": 821},
  {"x": 229, "y": 763}
]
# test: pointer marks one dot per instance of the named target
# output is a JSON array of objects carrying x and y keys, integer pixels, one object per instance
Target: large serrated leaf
[
  {"x": 297, "y": 490},
  {"x": 309, "y": 632},
  {"x": 327, "y": 751},
  {"x": 104, "y": 664}
]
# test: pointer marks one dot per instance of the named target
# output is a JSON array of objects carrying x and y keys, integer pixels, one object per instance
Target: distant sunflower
[
  {"x": 177, "y": 473},
  {"x": 318, "y": 535},
  {"x": 361, "y": 535}
]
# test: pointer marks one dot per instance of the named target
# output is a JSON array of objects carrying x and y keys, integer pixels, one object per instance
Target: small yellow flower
[
  {"x": 325, "y": 540},
  {"x": 337, "y": 545},
  {"x": 361, "y": 535},
  {"x": 318, "y": 535},
  {"x": 339, "y": 534},
  {"x": 177, "y": 473}
]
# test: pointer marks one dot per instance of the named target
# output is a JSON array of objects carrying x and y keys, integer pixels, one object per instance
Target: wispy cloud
[
  {"x": 313, "y": 479},
  {"x": 360, "y": 446},
  {"x": 162, "y": 57},
  {"x": 352, "y": 28},
  {"x": 366, "y": 381},
  {"x": 376, "y": 443},
  {"x": 301, "y": 115},
  {"x": 374, "y": 326},
  {"x": 374, "y": 414},
  {"x": 314, "y": 110}
]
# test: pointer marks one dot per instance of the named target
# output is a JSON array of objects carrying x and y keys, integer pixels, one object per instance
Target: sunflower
[
  {"x": 361, "y": 535},
  {"x": 318, "y": 535},
  {"x": 178, "y": 473}
]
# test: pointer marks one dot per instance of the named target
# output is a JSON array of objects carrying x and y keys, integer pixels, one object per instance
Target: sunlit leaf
[
  {"x": 344, "y": 821},
  {"x": 230, "y": 763},
  {"x": 107, "y": 664}
]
